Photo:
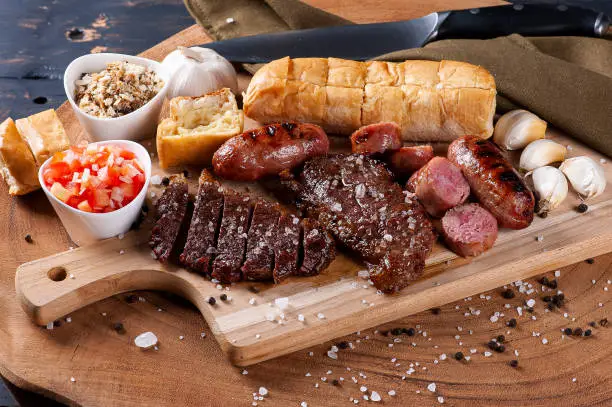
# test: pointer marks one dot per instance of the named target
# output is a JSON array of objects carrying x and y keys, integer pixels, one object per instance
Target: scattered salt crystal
[
  {"x": 363, "y": 389},
  {"x": 121, "y": 251},
  {"x": 391, "y": 393},
  {"x": 574, "y": 379},
  {"x": 375, "y": 396},
  {"x": 332, "y": 354},
  {"x": 440, "y": 399},
  {"x": 120, "y": 236},
  {"x": 431, "y": 387},
  {"x": 72, "y": 379},
  {"x": 303, "y": 404},
  {"x": 68, "y": 319},
  {"x": 443, "y": 356},
  {"x": 519, "y": 311},
  {"x": 146, "y": 340},
  {"x": 257, "y": 336},
  {"x": 282, "y": 302},
  {"x": 300, "y": 317},
  {"x": 602, "y": 160},
  {"x": 203, "y": 335},
  {"x": 320, "y": 315},
  {"x": 252, "y": 301},
  {"x": 544, "y": 341},
  {"x": 230, "y": 20},
  {"x": 487, "y": 354},
  {"x": 557, "y": 273},
  {"x": 493, "y": 318},
  {"x": 263, "y": 391},
  {"x": 531, "y": 302},
  {"x": 365, "y": 274},
  {"x": 156, "y": 180},
  {"x": 245, "y": 372}
]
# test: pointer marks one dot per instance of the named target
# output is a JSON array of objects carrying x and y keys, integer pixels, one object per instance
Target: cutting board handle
[{"x": 55, "y": 286}]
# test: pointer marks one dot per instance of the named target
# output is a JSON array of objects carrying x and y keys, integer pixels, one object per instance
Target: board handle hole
[{"x": 57, "y": 274}]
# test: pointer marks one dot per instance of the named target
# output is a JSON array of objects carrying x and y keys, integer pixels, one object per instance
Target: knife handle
[{"x": 525, "y": 19}]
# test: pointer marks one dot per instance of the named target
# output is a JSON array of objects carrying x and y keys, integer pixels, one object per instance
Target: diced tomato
[{"x": 95, "y": 179}]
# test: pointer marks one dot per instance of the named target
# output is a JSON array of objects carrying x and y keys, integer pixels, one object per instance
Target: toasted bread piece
[
  {"x": 44, "y": 134},
  {"x": 17, "y": 165},
  {"x": 197, "y": 127}
]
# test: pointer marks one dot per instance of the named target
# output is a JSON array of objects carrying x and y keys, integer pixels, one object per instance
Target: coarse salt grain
[
  {"x": 557, "y": 273},
  {"x": 146, "y": 340},
  {"x": 72, "y": 379},
  {"x": 252, "y": 301},
  {"x": 531, "y": 302},
  {"x": 320, "y": 315},
  {"x": 282, "y": 302},
  {"x": 300, "y": 317},
  {"x": 440, "y": 399},
  {"x": 263, "y": 391},
  {"x": 375, "y": 396},
  {"x": 544, "y": 341},
  {"x": 156, "y": 179},
  {"x": 245, "y": 372},
  {"x": 431, "y": 387},
  {"x": 391, "y": 393},
  {"x": 487, "y": 354}
]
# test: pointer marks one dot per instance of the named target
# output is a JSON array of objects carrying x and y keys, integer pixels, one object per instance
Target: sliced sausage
[
  {"x": 493, "y": 180},
  {"x": 268, "y": 150},
  {"x": 439, "y": 185},
  {"x": 376, "y": 138},
  {"x": 469, "y": 230},
  {"x": 407, "y": 160}
]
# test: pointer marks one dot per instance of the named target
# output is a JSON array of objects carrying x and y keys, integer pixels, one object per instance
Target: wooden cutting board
[{"x": 109, "y": 371}]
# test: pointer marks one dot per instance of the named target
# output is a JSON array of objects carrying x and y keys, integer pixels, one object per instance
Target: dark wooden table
[{"x": 39, "y": 38}]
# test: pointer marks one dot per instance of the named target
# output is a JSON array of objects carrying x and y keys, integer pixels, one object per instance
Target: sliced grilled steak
[
  {"x": 354, "y": 197},
  {"x": 318, "y": 248},
  {"x": 231, "y": 243},
  {"x": 170, "y": 211},
  {"x": 260, "y": 242},
  {"x": 200, "y": 246},
  {"x": 286, "y": 247}
]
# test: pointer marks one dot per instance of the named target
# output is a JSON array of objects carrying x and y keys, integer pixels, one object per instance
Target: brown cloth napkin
[{"x": 565, "y": 80}]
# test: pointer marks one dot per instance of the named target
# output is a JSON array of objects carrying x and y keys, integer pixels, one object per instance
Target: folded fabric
[{"x": 565, "y": 80}]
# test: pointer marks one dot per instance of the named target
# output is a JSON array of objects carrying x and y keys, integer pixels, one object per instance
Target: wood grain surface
[{"x": 109, "y": 370}]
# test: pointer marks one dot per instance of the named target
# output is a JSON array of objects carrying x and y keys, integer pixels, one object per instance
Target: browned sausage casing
[
  {"x": 268, "y": 150},
  {"x": 494, "y": 181},
  {"x": 376, "y": 138}
]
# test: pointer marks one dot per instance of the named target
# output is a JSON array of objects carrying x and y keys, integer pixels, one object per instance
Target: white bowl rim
[
  {"x": 158, "y": 70},
  {"x": 144, "y": 189}
]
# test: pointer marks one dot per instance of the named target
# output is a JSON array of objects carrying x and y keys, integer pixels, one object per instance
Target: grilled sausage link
[
  {"x": 494, "y": 181},
  {"x": 268, "y": 150},
  {"x": 376, "y": 138}
]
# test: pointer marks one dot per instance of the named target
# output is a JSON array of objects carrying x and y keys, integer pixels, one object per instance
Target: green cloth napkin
[{"x": 567, "y": 81}]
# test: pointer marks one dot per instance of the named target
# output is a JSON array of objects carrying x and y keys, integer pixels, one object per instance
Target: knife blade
[{"x": 364, "y": 41}]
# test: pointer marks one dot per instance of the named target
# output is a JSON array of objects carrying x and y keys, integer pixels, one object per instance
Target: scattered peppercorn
[
  {"x": 514, "y": 363},
  {"x": 544, "y": 281},
  {"x": 578, "y": 331},
  {"x": 529, "y": 309},
  {"x": 435, "y": 311},
  {"x": 551, "y": 306},
  {"x": 212, "y": 301},
  {"x": 119, "y": 328},
  {"x": 459, "y": 355},
  {"x": 145, "y": 208},
  {"x": 547, "y": 298},
  {"x": 501, "y": 338},
  {"x": 567, "y": 331},
  {"x": 511, "y": 323},
  {"x": 492, "y": 345},
  {"x": 582, "y": 208},
  {"x": 508, "y": 294},
  {"x": 223, "y": 297},
  {"x": 342, "y": 345},
  {"x": 130, "y": 299},
  {"x": 552, "y": 284},
  {"x": 165, "y": 181},
  {"x": 500, "y": 349},
  {"x": 593, "y": 324},
  {"x": 186, "y": 173},
  {"x": 603, "y": 322},
  {"x": 558, "y": 300},
  {"x": 410, "y": 332},
  {"x": 57, "y": 323},
  {"x": 335, "y": 382},
  {"x": 397, "y": 331},
  {"x": 28, "y": 238},
  {"x": 590, "y": 261},
  {"x": 76, "y": 34},
  {"x": 588, "y": 332},
  {"x": 384, "y": 333},
  {"x": 40, "y": 100}
]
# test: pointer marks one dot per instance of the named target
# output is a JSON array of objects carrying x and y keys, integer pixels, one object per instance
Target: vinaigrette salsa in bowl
[{"x": 97, "y": 189}]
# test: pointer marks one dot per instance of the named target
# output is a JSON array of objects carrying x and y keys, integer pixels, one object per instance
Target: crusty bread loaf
[
  {"x": 17, "y": 165},
  {"x": 197, "y": 127},
  {"x": 431, "y": 101},
  {"x": 44, "y": 133}
]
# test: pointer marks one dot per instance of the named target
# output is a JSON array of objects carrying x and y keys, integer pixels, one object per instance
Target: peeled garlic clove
[
  {"x": 586, "y": 176},
  {"x": 541, "y": 153},
  {"x": 517, "y": 128},
  {"x": 551, "y": 188}
]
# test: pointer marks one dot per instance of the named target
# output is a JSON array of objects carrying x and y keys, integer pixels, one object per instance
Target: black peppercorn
[
  {"x": 57, "y": 323},
  {"x": 514, "y": 363},
  {"x": 593, "y": 324},
  {"x": 186, "y": 173},
  {"x": 130, "y": 299},
  {"x": 587, "y": 332},
  {"x": 578, "y": 331},
  {"x": 410, "y": 332},
  {"x": 435, "y": 311},
  {"x": 511, "y": 323},
  {"x": 119, "y": 328},
  {"x": 28, "y": 238},
  {"x": 335, "y": 382},
  {"x": 547, "y": 298},
  {"x": 40, "y": 100},
  {"x": 342, "y": 345},
  {"x": 567, "y": 331},
  {"x": 508, "y": 294},
  {"x": 165, "y": 181},
  {"x": 551, "y": 306},
  {"x": 544, "y": 281},
  {"x": 529, "y": 309},
  {"x": 500, "y": 349},
  {"x": 223, "y": 297},
  {"x": 212, "y": 301},
  {"x": 397, "y": 331},
  {"x": 501, "y": 338},
  {"x": 590, "y": 261},
  {"x": 459, "y": 355},
  {"x": 552, "y": 284},
  {"x": 582, "y": 208},
  {"x": 603, "y": 322},
  {"x": 492, "y": 345}
]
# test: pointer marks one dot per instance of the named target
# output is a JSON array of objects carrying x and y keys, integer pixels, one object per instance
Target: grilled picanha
[
  {"x": 234, "y": 237},
  {"x": 354, "y": 197}
]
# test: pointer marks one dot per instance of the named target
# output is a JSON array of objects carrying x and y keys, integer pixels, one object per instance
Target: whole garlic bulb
[
  {"x": 551, "y": 188},
  {"x": 586, "y": 176},
  {"x": 517, "y": 128},
  {"x": 540, "y": 153},
  {"x": 195, "y": 71}
]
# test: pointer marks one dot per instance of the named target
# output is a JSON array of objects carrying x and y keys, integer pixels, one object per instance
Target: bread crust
[
  {"x": 431, "y": 101},
  {"x": 17, "y": 165},
  {"x": 44, "y": 134}
]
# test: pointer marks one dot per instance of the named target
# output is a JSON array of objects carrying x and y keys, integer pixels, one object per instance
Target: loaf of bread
[
  {"x": 197, "y": 127},
  {"x": 17, "y": 165},
  {"x": 44, "y": 134},
  {"x": 431, "y": 101}
]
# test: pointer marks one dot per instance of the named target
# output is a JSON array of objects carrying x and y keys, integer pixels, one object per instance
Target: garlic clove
[
  {"x": 550, "y": 188},
  {"x": 517, "y": 128},
  {"x": 540, "y": 153},
  {"x": 587, "y": 177}
]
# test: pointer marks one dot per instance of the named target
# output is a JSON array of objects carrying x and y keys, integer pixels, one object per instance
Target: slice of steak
[
  {"x": 286, "y": 247},
  {"x": 259, "y": 259},
  {"x": 318, "y": 248},
  {"x": 354, "y": 197},
  {"x": 231, "y": 243},
  {"x": 200, "y": 247},
  {"x": 170, "y": 212}
]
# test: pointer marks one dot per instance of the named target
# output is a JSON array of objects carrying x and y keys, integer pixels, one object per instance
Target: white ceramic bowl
[
  {"x": 137, "y": 125},
  {"x": 85, "y": 227}
]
